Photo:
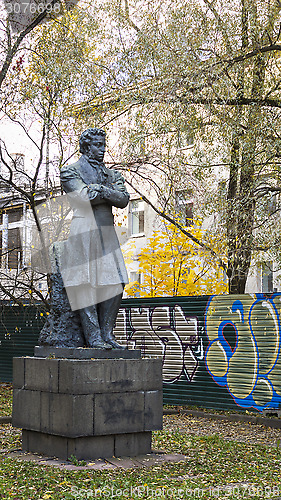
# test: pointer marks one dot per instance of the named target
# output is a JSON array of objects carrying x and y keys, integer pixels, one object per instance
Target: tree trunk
[{"x": 241, "y": 202}]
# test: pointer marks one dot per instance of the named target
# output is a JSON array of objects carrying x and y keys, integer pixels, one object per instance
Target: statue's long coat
[{"x": 92, "y": 254}]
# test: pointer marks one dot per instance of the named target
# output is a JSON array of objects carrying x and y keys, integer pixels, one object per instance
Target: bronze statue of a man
[{"x": 92, "y": 265}]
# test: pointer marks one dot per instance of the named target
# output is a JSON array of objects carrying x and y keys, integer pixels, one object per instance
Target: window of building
[
  {"x": 184, "y": 206},
  {"x": 185, "y": 139},
  {"x": 11, "y": 247},
  {"x": 271, "y": 205},
  {"x": 14, "y": 214},
  {"x": 138, "y": 147},
  {"x": 14, "y": 248},
  {"x": 267, "y": 277},
  {"x": 137, "y": 217},
  {"x": 135, "y": 276}
]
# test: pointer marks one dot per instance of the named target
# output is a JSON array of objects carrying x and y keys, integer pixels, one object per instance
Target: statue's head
[{"x": 91, "y": 136}]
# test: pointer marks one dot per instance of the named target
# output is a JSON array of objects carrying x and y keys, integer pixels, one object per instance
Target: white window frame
[
  {"x": 138, "y": 210},
  {"x": 183, "y": 203}
]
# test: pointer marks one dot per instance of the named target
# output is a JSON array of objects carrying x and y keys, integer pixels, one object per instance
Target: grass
[
  {"x": 5, "y": 400},
  {"x": 215, "y": 468},
  {"x": 179, "y": 409}
]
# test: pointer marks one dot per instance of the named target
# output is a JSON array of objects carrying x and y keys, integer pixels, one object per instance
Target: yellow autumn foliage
[{"x": 171, "y": 264}]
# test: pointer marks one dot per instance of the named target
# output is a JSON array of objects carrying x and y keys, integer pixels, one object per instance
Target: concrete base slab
[
  {"x": 148, "y": 460},
  {"x": 124, "y": 463},
  {"x": 85, "y": 353}
]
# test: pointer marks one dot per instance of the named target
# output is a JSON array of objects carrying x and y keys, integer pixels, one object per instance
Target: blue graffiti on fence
[{"x": 250, "y": 367}]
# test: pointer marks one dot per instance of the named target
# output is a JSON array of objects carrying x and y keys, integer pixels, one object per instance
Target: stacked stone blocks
[{"x": 88, "y": 408}]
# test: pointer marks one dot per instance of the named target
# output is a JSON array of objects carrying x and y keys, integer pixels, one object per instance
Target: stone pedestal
[{"x": 90, "y": 408}]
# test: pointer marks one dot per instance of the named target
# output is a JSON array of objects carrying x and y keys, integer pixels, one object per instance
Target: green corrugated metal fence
[
  {"x": 218, "y": 351},
  {"x": 19, "y": 330}
]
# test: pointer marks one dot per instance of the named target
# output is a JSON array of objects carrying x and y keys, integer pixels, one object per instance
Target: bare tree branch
[
  {"x": 14, "y": 48},
  {"x": 167, "y": 217}
]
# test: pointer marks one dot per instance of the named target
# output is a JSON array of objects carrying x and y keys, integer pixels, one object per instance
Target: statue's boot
[
  {"x": 107, "y": 312},
  {"x": 91, "y": 328},
  {"x": 110, "y": 339}
]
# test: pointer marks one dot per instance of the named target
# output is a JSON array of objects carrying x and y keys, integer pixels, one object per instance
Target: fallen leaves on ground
[
  {"x": 5, "y": 399},
  {"x": 237, "y": 431},
  {"x": 225, "y": 460}
]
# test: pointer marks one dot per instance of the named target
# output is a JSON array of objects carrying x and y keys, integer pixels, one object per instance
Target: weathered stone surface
[
  {"x": 86, "y": 448},
  {"x": 66, "y": 414},
  {"x": 153, "y": 410},
  {"x": 122, "y": 462},
  {"x": 18, "y": 373},
  {"x": 91, "y": 447},
  {"x": 152, "y": 374},
  {"x": 46, "y": 444},
  {"x": 140, "y": 461},
  {"x": 41, "y": 376},
  {"x": 119, "y": 413},
  {"x": 148, "y": 460},
  {"x": 26, "y": 409},
  {"x": 103, "y": 407},
  {"x": 62, "y": 319},
  {"x": 132, "y": 444},
  {"x": 85, "y": 353},
  {"x": 107, "y": 376}
]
